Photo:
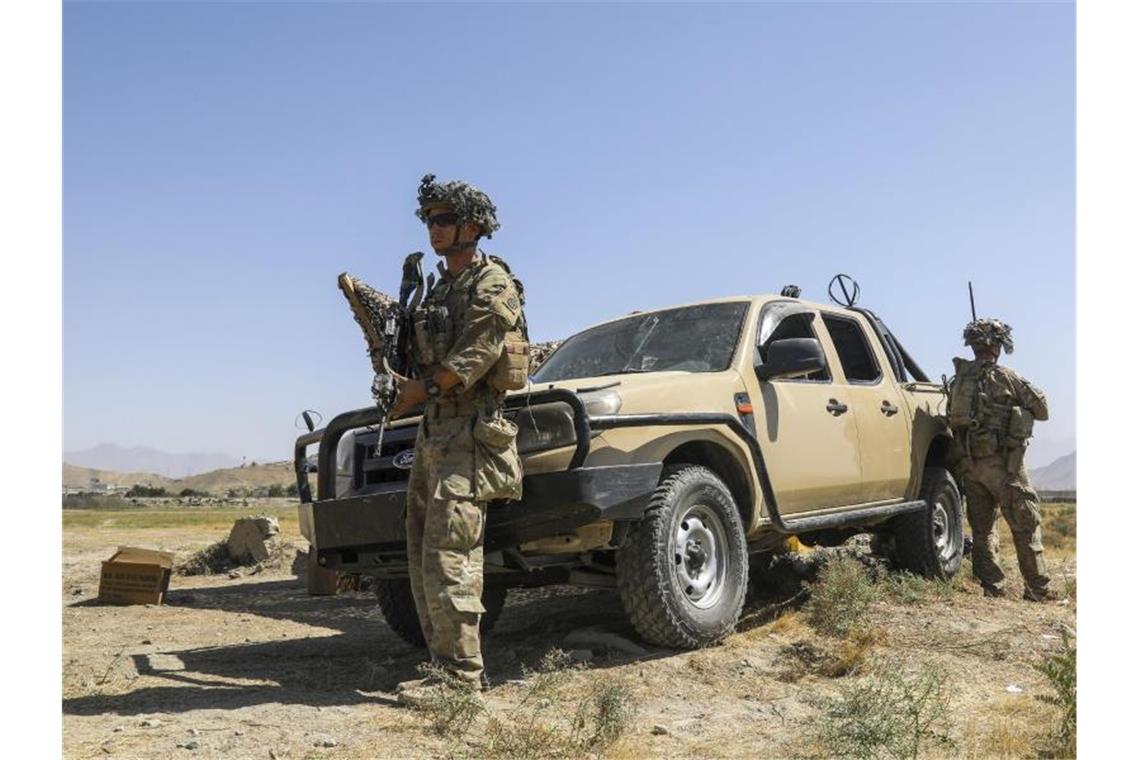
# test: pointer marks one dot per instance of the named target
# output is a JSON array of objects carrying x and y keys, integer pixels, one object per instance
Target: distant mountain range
[
  {"x": 1058, "y": 475},
  {"x": 108, "y": 456},
  {"x": 215, "y": 482}
]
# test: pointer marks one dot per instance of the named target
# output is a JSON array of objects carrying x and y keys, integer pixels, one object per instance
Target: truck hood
[{"x": 660, "y": 392}]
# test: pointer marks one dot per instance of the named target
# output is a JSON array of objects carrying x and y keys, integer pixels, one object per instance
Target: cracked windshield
[{"x": 689, "y": 339}]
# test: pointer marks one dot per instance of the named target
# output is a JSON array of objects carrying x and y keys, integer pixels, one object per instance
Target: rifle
[{"x": 386, "y": 323}]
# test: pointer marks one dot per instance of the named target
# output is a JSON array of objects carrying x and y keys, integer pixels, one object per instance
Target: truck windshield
[{"x": 689, "y": 339}]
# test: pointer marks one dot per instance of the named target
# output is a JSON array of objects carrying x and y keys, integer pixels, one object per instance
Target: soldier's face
[
  {"x": 442, "y": 224},
  {"x": 444, "y": 230},
  {"x": 986, "y": 352}
]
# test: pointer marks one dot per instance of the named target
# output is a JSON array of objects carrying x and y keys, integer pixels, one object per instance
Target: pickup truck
[{"x": 662, "y": 449}]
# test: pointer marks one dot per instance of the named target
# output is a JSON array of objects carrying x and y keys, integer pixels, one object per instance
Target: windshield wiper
[{"x": 625, "y": 371}]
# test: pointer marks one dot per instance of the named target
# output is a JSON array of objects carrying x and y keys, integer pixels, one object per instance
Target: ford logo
[{"x": 403, "y": 460}]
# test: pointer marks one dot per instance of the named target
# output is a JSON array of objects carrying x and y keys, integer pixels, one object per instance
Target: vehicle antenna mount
[{"x": 848, "y": 286}]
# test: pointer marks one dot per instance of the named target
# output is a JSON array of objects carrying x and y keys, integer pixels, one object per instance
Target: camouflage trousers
[
  {"x": 989, "y": 487},
  {"x": 445, "y": 545}
]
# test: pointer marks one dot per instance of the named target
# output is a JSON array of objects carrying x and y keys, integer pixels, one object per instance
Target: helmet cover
[
  {"x": 471, "y": 203},
  {"x": 989, "y": 332}
]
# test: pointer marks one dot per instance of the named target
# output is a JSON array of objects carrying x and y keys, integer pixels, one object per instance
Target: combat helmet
[
  {"x": 989, "y": 332},
  {"x": 471, "y": 203}
]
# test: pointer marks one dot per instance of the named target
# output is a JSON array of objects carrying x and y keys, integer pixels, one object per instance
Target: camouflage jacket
[{"x": 467, "y": 317}]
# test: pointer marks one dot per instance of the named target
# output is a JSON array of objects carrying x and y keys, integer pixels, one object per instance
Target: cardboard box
[{"x": 135, "y": 576}]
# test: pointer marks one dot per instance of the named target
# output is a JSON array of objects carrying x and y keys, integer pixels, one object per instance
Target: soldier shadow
[{"x": 361, "y": 660}]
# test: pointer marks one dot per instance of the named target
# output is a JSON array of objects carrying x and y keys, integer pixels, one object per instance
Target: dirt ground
[{"x": 253, "y": 667}]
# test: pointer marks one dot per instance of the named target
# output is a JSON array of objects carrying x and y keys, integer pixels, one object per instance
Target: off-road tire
[
  {"x": 930, "y": 542},
  {"x": 648, "y": 575},
  {"x": 394, "y": 596}
]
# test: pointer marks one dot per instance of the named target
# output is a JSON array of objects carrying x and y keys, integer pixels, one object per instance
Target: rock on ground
[{"x": 252, "y": 538}]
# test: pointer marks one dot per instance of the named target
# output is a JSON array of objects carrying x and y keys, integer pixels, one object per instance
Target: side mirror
[{"x": 791, "y": 357}]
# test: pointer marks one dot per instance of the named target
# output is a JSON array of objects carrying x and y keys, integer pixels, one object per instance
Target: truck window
[
  {"x": 794, "y": 326},
  {"x": 854, "y": 354}
]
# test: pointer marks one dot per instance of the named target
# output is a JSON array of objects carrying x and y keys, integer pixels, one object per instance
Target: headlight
[
  {"x": 601, "y": 402},
  {"x": 551, "y": 426},
  {"x": 345, "y": 453},
  {"x": 545, "y": 426}
]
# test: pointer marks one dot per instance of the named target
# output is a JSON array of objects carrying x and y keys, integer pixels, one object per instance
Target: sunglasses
[{"x": 443, "y": 220}]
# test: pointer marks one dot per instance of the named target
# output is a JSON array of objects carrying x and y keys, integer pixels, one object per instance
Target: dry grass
[
  {"x": 181, "y": 517},
  {"x": 907, "y": 588},
  {"x": 558, "y": 715},
  {"x": 825, "y": 656},
  {"x": 1059, "y": 527},
  {"x": 451, "y": 709},
  {"x": 1014, "y": 727},
  {"x": 214, "y": 558}
]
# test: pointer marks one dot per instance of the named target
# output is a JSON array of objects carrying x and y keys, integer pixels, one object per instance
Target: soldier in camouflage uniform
[
  {"x": 992, "y": 410},
  {"x": 465, "y": 451}
]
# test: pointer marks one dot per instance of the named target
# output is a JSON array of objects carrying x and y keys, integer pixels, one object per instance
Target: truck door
[
  {"x": 878, "y": 409},
  {"x": 804, "y": 425}
]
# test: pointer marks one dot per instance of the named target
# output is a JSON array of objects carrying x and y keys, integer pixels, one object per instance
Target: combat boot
[
  {"x": 435, "y": 690},
  {"x": 414, "y": 682},
  {"x": 1047, "y": 595}
]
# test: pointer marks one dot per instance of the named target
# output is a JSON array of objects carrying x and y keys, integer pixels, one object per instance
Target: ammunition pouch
[
  {"x": 432, "y": 334},
  {"x": 498, "y": 470},
  {"x": 511, "y": 371},
  {"x": 983, "y": 443},
  {"x": 1020, "y": 424}
]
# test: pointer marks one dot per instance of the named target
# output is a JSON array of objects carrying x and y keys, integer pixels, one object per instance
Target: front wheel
[
  {"x": 682, "y": 574},
  {"x": 394, "y": 596},
  {"x": 929, "y": 542}
]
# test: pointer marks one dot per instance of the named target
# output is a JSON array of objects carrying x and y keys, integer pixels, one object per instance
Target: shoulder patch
[{"x": 507, "y": 305}]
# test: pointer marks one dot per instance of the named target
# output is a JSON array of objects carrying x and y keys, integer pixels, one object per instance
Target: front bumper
[{"x": 362, "y": 532}]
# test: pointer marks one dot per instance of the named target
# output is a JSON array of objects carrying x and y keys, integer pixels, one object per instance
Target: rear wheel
[
  {"x": 929, "y": 542},
  {"x": 682, "y": 574},
  {"x": 394, "y": 596}
]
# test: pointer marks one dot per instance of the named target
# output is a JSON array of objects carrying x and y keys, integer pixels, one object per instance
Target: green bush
[
  {"x": 88, "y": 500},
  {"x": 841, "y": 598},
  {"x": 887, "y": 715},
  {"x": 141, "y": 491},
  {"x": 907, "y": 588},
  {"x": 1061, "y": 670}
]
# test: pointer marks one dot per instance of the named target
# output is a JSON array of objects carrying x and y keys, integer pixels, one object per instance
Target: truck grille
[{"x": 372, "y": 467}]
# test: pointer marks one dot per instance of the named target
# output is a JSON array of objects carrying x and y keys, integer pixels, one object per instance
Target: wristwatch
[{"x": 431, "y": 387}]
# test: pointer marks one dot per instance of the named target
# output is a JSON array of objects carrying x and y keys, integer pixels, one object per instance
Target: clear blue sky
[{"x": 223, "y": 163}]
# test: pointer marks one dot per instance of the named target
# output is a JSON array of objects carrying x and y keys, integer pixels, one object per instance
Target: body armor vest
[{"x": 438, "y": 323}]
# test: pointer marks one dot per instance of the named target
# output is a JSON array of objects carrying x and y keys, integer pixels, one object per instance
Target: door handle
[
  {"x": 835, "y": 407},
  {"x": 889, "y": 409}
]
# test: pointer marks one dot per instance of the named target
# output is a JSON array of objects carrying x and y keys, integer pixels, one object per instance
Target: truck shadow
[{"x": 343, "y": 652}]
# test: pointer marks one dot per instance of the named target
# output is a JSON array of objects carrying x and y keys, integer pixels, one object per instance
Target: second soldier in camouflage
[{"x": 992, "y": 410}]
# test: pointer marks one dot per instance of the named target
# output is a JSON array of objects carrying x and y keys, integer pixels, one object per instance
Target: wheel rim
[
  {"x": 945, "y": 538},
  {"x": 700, "y": 560}
]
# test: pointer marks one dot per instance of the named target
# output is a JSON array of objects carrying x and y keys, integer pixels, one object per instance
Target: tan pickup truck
[{"x": 660, "y": 450}]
